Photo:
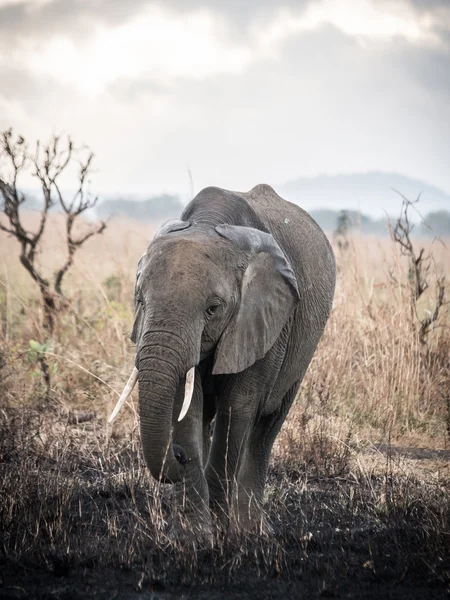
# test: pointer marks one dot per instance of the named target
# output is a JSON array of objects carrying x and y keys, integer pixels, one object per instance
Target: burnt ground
[
  {"x": 79, "y": 518},
  {"x": 108, "y": 584}
]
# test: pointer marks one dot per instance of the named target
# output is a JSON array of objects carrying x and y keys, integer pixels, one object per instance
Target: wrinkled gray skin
[{"x": 246, "y": 303}]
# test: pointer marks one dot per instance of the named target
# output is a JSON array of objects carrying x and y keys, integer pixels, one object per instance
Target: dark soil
[
  {"x": 109, "y": 583},
  {"x": 80, "y": 518}
]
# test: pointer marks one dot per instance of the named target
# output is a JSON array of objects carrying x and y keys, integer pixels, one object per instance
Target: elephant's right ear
[
  {"x": 138, "y": 322},
  {"x": 138, "y": 308}
]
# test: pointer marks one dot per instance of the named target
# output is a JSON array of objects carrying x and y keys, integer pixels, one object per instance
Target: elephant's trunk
[{"x": 162, "y": 365}]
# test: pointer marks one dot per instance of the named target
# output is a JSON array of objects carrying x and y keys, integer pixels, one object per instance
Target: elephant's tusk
[
  {"x": 188, "y": 391},
  {"x": 124, "y": 395}
]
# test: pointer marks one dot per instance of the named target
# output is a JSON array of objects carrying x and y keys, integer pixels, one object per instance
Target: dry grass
[
  {"x": 347, "y": 510},
  {"x": 371, "y": 381}
]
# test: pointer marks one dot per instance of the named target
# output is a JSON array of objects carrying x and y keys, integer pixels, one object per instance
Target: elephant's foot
[
  {"x": 191, "y": 532},
  {"x": 191, "y": 517},
  {"x": 239, "y": 519},
  {"x": 247, "y": 515},
  {"x": 220, "y": 514}
]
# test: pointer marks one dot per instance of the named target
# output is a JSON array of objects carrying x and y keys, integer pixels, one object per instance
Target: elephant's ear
[
  {"x": 138, "y": 308},
  {"x": 138, "y": 322},
  {"x": 171, "y": 226},
  {"x": 269, "y": 295}
]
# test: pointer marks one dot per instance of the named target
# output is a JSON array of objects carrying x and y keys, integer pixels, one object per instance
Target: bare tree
[
  {"x": 419, "y": 268},
  {"x": 47, "y": 163}
]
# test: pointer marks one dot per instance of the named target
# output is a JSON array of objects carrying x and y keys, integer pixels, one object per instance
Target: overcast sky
[{"x": 242, "y": 92}]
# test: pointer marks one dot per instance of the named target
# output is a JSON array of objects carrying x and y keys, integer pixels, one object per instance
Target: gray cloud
[
  {"x": 17, "y": 83},
  {"x": 40, "y": 97},
  {"x": 421, "y": 6},
  {"x": 439, "y": 9},
  {"x": 78, "y": 19},
  {"x": 129, "y": 90},
  {"x": 325, "y": 103},
  {"x": 427, "y": 5},
  {"x": 71, "y": 18},
  {"x": 430, "y": 67},
  {"x": 236, "y": 12}
]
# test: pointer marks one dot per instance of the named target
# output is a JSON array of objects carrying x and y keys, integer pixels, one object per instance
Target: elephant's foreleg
[
  {"x": 209, "y": 410},
  {"x": 191, "y": 494},
  {"x": 253, "y": 471},
  {"x": 228, "y": 450},
  {"x": 252, "y": 476}
]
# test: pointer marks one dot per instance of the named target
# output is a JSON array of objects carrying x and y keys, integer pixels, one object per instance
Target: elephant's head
[{"x": 224, "y": 292}]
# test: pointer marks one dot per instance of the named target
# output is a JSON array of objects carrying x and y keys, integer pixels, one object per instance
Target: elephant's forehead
[{"x": 179, "y": 257}]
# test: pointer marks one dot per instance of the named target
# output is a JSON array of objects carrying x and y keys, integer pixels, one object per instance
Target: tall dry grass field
[{"x": 358, "y": 493}]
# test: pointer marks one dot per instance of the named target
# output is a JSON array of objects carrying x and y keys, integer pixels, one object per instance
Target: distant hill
[
  {"x": 165, "y": 206},
  {"x": 328, "y": 219},
  {"x": 433, "y": 224},
  {"x": 436, "y": 223},
  {"x": 156, "y": 208},
  {"x": 368, "y": 193},
  {"x": 368, "y": 198}
]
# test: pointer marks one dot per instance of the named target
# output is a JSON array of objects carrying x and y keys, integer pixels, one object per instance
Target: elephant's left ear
[
  {"x": 171, "y": 226},
  {"x": 269, "y": 295}
]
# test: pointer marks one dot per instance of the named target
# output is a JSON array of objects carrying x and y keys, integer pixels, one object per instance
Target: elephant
[{"x": 230, "y": 303}]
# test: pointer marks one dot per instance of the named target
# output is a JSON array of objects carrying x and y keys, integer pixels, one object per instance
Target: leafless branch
[
  {"x": 426, "y": 323},
  {"x": 49, "y": 162},
  {"x": 419, "y": 267}
]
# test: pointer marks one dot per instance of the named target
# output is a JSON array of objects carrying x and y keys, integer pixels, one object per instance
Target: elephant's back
[
  {"x": 283, "y": 217},
  {"x": 300, "y": 237}
]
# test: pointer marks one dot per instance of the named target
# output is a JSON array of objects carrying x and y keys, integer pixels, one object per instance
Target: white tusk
[
  {"x": 188, "y": 391},
  {"x": 125, "y": 394}
]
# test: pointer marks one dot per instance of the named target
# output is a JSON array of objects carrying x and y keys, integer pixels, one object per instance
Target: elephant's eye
[
  {"x": 139, "y": 298},
  {"x": 211, "y": 310}
]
